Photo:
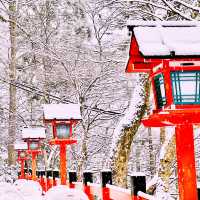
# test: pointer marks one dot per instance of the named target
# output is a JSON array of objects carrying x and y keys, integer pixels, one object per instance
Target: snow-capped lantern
[
  {"x": 170, "y": 53},
  {"x": 62, "y": 118},
  {"x": 21, "y": 149},
  {"x": 33, "y": 137}
]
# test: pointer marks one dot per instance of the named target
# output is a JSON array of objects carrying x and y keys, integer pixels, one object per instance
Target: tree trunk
[
  {"x": 150, "y": 141},
  {"x": 162, "y": 135},
  {"x": 12, "y": 89},
  {"x": 84, "y": 154},
  {"x": 166, "y": 165},
  {"x": 151, "y": 154},
  {"x": 123, "y": 147},
  {"x": 138, "y": 153}
]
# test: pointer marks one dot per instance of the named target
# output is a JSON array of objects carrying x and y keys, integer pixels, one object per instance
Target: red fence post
[
  {"x": 30, "y": 174},
  {"x": 55, "y": 177},
  {"x": 87, "y": 177},
  {"x": 138, "y": 183},
  {"x": 72, "y": 178},
  {"x": 49, "y": 179},
  {"x": 43, "y": 182},
  {"x": 106, "y": 178}
]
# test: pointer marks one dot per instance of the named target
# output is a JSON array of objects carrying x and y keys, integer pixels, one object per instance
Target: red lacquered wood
[{"x": 186, "y": 162}]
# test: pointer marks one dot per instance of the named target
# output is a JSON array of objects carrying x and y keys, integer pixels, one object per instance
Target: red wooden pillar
[
  {"x": 138, "y": 183},
  {"x": 87, "y": 177},
  {"x": 106, "y": 193},
  {"x": 167, "y": 82},
  {"x": 55, "y": 182},
  {"x": 72, "y": 179},
  {"x": 63, "y": 174},
  {"x": 186, "y": 162},
  {"x": 106, "y": 178},
  {"x": 55, "y": 177},
  {"x": 22, "y": 175},
  {"x": 43, "y": 183},
  {"x": 34, "y": 156}
]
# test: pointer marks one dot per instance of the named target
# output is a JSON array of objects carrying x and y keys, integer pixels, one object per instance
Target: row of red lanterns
[{"x": 63, "y": 119}]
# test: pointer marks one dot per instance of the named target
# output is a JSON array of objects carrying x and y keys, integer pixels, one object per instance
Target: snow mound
[
  {"x": 64, "y": 193},
  {"x": 9, "y": 192},
  {"x": 30, "y": 189}
]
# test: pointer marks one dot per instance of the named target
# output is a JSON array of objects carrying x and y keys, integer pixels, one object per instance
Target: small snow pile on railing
[{"x": 145, "y": 196}]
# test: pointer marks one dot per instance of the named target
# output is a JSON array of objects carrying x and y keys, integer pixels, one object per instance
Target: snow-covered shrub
[{"x": 7, "y": 173}]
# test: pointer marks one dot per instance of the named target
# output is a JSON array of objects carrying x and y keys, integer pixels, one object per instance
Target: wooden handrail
[{"x": 145, "y": 196}]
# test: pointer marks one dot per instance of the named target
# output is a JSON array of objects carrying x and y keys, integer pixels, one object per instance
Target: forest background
[{"x": 73, "y": 51}]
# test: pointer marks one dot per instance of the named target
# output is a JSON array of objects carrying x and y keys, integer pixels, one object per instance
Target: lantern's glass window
[
  {"x": 22, "y": 154},
  {"x": 34, "y": 145},
  {"x": 160, "y": 90},
  {"x": 63, "y": 131},
  {"x": 186, "y": 87}
]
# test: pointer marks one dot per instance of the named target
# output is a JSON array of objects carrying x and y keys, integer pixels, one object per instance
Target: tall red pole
[
  {"x": 63, "y": 171},
  {"x": 186, "y": 162},
  {"x": 22, "y": 176},
  {"x": 34, "y": 155}
]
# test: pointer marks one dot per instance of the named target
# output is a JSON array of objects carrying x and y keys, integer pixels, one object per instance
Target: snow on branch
[
  {"x": 149, "y": 3},
  {"x": 188, "y": 5},
  {"x": 177, "y": 11}
]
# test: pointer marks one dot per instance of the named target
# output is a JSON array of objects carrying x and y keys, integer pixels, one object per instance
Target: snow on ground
[
  {"x": 31, "y": 190},
  {"x": 9, "y": 192},
  {"x": 64, "y": 193}
]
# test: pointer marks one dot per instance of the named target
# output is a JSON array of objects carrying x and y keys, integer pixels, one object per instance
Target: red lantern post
[
  {"x": 167, "y": 52},
  {"x": 22, "y": 156},
  {"x": 33, "y": 137},
  {"x": 63, "y": 118}
]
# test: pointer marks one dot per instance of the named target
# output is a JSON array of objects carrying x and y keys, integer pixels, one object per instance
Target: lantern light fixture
[
  {"x": 170, "y": 53},
  {"x": 21, "y": 149},
  {"x": 33, "y": 137},
  {"x": 63, "y": 131},
  {"x": 63, "y": 118}
]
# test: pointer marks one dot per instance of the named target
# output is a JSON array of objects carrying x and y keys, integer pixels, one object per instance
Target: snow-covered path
[{"x": 31, "y": 190}]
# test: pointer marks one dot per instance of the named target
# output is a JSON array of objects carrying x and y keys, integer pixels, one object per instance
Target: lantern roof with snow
[
  {"x": 170, "y": 53},
  {"x": 33, "y": 133},
  {"x": 61, "y": 112},
  {"x": 21, "y": 146},
  {"x": 153, "y": 42}
]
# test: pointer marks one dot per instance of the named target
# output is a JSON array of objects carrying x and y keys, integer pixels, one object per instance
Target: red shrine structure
[
  {"x": 33, "y": 137},
  {"x": 63, "y": 119},
  {"x": 170, "y": 53},
  {"x": 21, "y": 149}
]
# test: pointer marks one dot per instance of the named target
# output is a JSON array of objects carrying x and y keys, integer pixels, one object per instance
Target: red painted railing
[
  {"x": 103, "y": 191},
  {"x": 111, "y": 192}
]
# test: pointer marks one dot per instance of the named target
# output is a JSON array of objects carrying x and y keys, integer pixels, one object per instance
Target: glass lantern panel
[
  {"x": 186, "y": 87},
  {"x": 22, "y": 154},
  {"x": 34, "y": 145},
  {"x": 160, "y": 90},
  {"x": 63, "y": 131}
]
